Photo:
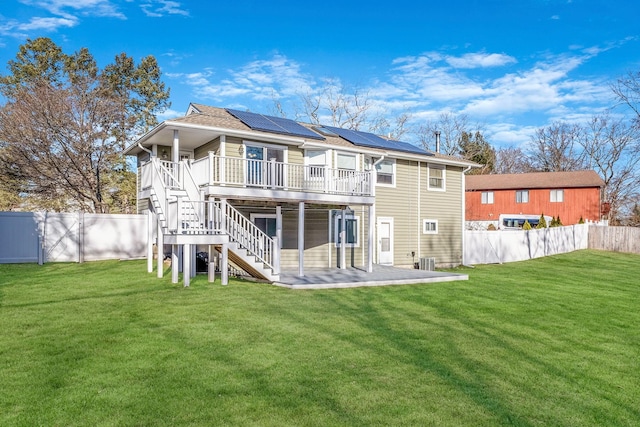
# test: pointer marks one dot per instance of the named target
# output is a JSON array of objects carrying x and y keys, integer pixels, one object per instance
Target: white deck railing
[
  {"x": 190, "y": 214},
  {"x": 269, "y": 174},
  {"x": 241, "y": 230}
]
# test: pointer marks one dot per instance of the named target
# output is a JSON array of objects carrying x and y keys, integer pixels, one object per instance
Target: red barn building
[{"x": 569, "y": 195}]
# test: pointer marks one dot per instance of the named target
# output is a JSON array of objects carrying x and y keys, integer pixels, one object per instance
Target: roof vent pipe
[{"x": 437, "y": 141}]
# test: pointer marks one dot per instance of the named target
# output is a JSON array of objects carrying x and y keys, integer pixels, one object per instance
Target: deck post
[
  {"x": 194, "y": 254},
  {"x": 175, "y": 262},
  {"x": 186, "y": 268},
  {"x": 372, "y": 215},
  {"x": 276, "y": 255},
  {"x": 343, "y": 239},
  {"x": 279, "y": 225},
  {"x": 211, "y": 268},
  {"x": 222, "y": 160},
  {"x": 160, "y": 249},
  {"x": 301, "y": 239},
  {"x": 176, "y": 147},
  {"x": 149, "y": 242},
  {"x": 224, "y": 264}
]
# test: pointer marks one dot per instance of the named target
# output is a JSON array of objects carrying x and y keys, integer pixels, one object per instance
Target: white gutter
[
  {"x": 145, "y": 149},
  {"x": 377, "y": 162}
]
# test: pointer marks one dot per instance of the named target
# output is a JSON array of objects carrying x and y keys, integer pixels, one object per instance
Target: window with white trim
[
  {"x": 352, "y": 225},
  {"x": 436, "y": 177},
  {"x": 386, "y": 172},
  {"x": 557, "y": 196},
  {"x": 522, "y": 196},
  {"x": 429, "y": 226},
  {"x": 346, "y": 161},
  {"x": 487, "y": 197},
  {"x": 316, "y": 162},
  {"x": 265, "y": 222}
]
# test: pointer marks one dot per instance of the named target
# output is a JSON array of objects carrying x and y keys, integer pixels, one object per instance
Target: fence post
[{"x": 81, "y": 237}]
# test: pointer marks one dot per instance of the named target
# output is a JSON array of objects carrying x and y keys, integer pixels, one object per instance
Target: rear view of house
[
  {"x": 267, "y": 193},
  {"x": 506, "y": 200}
]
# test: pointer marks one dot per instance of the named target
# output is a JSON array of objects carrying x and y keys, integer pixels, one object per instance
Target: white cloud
[
  {"x": 273, "y": 78},
  {"x": 480, "y": 60},
  {"x": 105, "y": 8},
  {"x": 512, "y": 104},
  {"x": 65, "y": 13},
  {"x": 159, "y": 8},
  {"x": 48, "y": 24}
]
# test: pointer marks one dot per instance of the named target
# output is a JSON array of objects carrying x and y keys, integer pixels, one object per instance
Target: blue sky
[{"x": 510, "y": 65}]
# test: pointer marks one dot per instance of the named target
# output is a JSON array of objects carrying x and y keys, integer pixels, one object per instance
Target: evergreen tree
[
  {"x": 475, "y": 148},
  {"x": 542, "y": 223},
  {"x": 65, "y": 124}
]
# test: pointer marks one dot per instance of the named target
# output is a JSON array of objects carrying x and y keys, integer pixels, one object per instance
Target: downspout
[
  {"x": 372, "y": 211},
  {"x": 145, "y": 149}
]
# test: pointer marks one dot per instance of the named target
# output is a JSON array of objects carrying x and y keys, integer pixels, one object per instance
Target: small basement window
[{"x": 429, "y": 226}]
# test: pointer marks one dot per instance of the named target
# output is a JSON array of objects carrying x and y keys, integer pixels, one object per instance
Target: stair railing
[
  {"x": 248, "y": 236},
  {"x": 158, "y": 187}
]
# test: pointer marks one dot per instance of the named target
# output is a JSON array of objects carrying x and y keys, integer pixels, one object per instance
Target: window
[
  {"x": 316, "y": 161},
  {"x": 352, "y": 227},
  {"x": 487, "y": 197},
  {"x": 522, "y": 196},
  {"x": 259, "y": 171},
  {"x": 557, "y": 196},
  {"x": 265, "y": 222},
  {"x": 436, "y": 177},
  {"x": 346, "y": 161},
  {"x": 429, "y": 226},
  {"x": 385, "y": 172}
]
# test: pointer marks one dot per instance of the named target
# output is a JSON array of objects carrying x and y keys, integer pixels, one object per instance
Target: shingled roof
[{"x": 577, "y": 179}]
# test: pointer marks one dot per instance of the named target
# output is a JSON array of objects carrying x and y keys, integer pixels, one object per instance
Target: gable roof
[{"x": 533, "y": 180}]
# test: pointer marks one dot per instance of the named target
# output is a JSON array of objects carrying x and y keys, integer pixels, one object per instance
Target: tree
[
  {"x": 612, "y": 148},
  {"x": 542, "y": 222},
  {"x": 556, "y": 148},
  {"x": 634, "y": 219},
  {"x": 339, "y": 106},
  {"x": 627, "y": 91},
  {"x": 65, "y": 124},
  {"x": 511, "y": 160},
  {"x": 475, "y": 148},
  {"x": 451, "y": 127}
]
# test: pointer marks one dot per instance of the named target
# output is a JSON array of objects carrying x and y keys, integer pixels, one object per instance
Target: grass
[{"x": 553, "y": 341}]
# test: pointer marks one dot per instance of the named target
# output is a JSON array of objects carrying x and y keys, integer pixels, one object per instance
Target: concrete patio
[{"x": 318, "y": 278}]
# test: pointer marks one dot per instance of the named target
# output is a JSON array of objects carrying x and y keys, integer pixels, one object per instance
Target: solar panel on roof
[
  {"x": 359, "y": 138},
  {"x": 366, "y": 139},
  {"x": 273, "y": 124}
]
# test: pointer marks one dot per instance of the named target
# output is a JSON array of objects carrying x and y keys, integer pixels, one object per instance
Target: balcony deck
[{"x": 262, "y": 179}]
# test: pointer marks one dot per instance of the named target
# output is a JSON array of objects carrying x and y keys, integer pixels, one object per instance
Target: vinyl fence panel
[
  {"x": 19, "y": 238},
  {"x": 114, "y": 236},
  {"x": 71, "y": 237},
  {"x": 492, "y": 247}
]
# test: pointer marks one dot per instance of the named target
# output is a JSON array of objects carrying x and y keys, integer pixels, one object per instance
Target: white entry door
[{"x": 385, "y": 240}]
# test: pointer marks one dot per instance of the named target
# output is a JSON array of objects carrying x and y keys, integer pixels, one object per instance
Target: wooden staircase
[{"x": 184, "y": 217}]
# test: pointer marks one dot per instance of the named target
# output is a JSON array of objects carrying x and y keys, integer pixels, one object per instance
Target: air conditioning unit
[{"x": 428, "y": 264}]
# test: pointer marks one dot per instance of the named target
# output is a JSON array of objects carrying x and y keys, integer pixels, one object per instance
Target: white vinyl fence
[
  {"x": 492, "y": 247},
  {"x": 71, "y": 237}
]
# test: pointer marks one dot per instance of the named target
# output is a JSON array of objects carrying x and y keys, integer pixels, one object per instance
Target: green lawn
[{"x": 553, "y": 341}]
